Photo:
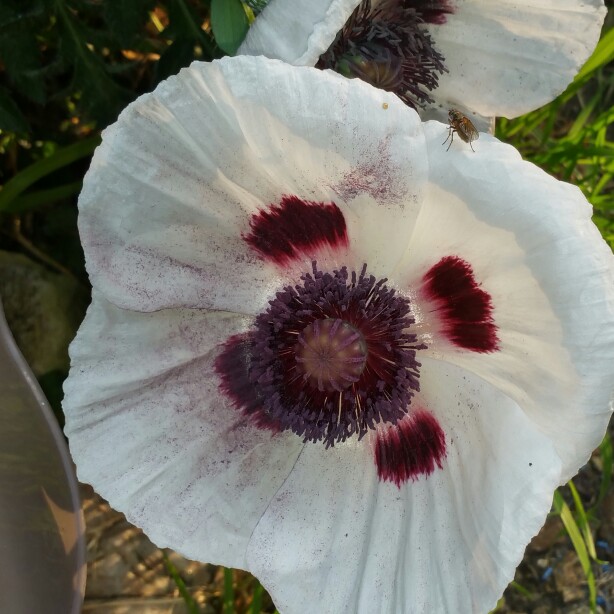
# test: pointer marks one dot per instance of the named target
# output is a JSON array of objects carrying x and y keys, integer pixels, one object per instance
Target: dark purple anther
[
  {"x": 332, "y": 357},
  {"x": 388, "y": 45}
]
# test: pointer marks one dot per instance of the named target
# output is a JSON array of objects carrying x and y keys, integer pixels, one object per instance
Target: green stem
[
  {"x": 190, "y": 602},
  {"x": 256, "y": 604},
  {"x": 228, "y": 606}
]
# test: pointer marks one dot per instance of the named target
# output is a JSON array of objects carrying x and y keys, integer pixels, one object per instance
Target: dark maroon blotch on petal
[
  {"x": 286, "y": 231},
  {"x": 466, "y": 310},
  {"x": 415, "y": 446},
  {"x": 232, "y": 367}
]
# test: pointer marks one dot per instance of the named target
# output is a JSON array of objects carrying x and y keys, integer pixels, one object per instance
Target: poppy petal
[
  {"x": 150, "y": 427},
  {"x": 192, "y": 197},
  {"x": 337, "y": 538}
]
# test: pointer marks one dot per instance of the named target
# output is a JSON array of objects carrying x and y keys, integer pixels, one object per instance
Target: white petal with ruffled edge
[
  {"x": 150, "y": 430},
  {"x": 336, "y": 540},
  {"x": 317, "y": 524},
  {"x": 297, "y": 33},
  {"x": 534, "y": 249},
  {"x": 503, "y": 58},
  {"x": 171, "y": 189},
  {"x": 506, "y": 58}
]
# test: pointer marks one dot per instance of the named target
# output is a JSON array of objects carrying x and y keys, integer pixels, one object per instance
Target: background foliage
[{"x": 68, "y": 67}]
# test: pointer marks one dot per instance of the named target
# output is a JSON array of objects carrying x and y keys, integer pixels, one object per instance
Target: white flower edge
[
  {"x": 172, "y": 190},
  {"x": 335, "y": 539},
  {"x": 503, "y": 59},
  {"x": 130, "y": 367},
  {"x": 508, "y": 58},
  {"x": 174, "y": 223},
  {"x": 535, "y": 250},
  {"x": 297, "y": 33},
  {"x": 149, "y": 428}
]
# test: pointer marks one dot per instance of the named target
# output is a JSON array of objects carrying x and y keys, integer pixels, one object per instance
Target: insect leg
[
  {"x": 449, "y": 135},
  {"x": 452, "y": 131}
]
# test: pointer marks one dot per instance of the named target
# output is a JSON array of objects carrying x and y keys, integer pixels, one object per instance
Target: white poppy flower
[
  {"x": 500, "y": 58},
  {"x": 326, "y": 350}
]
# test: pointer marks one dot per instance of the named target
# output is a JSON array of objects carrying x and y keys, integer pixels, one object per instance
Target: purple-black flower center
[
  {"x": 331, "y": 357},
  {"x": 387, "y": 44}
]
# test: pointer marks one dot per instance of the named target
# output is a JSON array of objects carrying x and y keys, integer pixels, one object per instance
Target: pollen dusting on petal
[
  {"x": 413, "y": 447},
  {"x": 285, "y": 231},
  {"x": 376, "y": 175},
  {"x": 466, "y": 309},
  {"x": 232, "y": 367}
]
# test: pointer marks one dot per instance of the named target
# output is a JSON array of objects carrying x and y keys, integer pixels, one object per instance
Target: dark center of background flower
[
  {"x": 331, "y": 357},
  {"x": 388, "y": 45}
]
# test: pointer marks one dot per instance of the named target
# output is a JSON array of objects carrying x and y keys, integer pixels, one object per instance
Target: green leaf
[
  {"x": 20, "y": 54},
  {"x": 603, "y": 54},
  {"x": 605, "y": 448},
  {"x": 126, "y": 17},
  {"x": 582, "y": 521},
  {"x": 41, "y": 198},
  {"x": 11, "y": 118},
  {"x": 19, "y": 49},
  {"x": 190, "y": 602},
  {"x": 174, "y": 58},
  {"x": 256, "y": 605},
  {"x": 13, "y": 13},
  {"x": 499, "y": 605},
  {"x": 29, "y": 175},
  {"x": 185, "y": 25},
  {"x": 101, "y": 96},
  {"x": 521, "y": 589},
  {"x": 228, "y": 598},
  {"x": 229, "y": 23},
  {"x": 578, "y": 543}
]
